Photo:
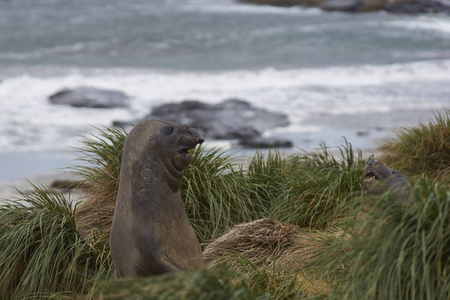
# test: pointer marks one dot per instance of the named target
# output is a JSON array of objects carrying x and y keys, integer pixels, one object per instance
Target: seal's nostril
[{"x": 200, "y": 140}]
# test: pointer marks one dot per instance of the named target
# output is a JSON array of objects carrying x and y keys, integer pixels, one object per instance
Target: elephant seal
[
  {"x": 151, "y": 233},
  {"x": 379, "y": 179}
]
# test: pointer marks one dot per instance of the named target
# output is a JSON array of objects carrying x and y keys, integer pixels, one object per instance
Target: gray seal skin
[
  {"x": 151, "y": 233},
  {"x": 378, "y": 179}
]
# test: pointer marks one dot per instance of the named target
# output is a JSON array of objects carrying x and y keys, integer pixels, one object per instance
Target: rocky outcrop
[
  {"x": 418, "y": 6},
  {"x": 232, "y": 119},
  {"x": 394, "y": 6},
  {"x": 286, "y": 3},
  {"x": 343, "y": 5},
  {"x": 261, "y": 142},
  {"x": 90, "y": 97}
]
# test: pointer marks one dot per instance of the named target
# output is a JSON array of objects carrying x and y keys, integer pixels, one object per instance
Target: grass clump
[
  {"x": 309, "y": 190},
  {"x": 41, "y": 252},
  {"x": 192, "y": 285},
  {"x": 250, "y": 282},
  {"x": 423, "y": 149},
  {"x": 320, "y": 188},
  {"x": 51, "y": 248},
  {"x": 99, "y": 169},
  {"x": 216, "y": 196},
  {"x": 407, "y": 254}
]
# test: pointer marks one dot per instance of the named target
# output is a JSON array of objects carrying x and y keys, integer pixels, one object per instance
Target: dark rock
[
  {"x": 260, "y": 142},
  {"x": 362, "y": 132},
  {"x": 124, "y": 124},
  {"x": 418, "y": 6},
  {"x": 343, "y": 5},
  {"x": 394, "y": 6},
  {"x": 230, "y": 119},
  {"x": 285, "y": 3},
  {"x": 90, "y": 97}
]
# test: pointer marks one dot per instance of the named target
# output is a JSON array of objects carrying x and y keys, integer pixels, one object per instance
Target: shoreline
[{"x": 20, "y": 168}]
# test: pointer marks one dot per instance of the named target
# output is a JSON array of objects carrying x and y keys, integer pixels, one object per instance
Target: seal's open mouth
[
  {"x": 370, "y": 175},
  {"x": 184, "y": 151}
]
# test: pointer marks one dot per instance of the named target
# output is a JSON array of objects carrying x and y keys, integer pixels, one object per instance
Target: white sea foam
[
  {"x": 29, "y": 121},
  {"x": 39, "y": 53},
  {"x": 428, "y": 24}
]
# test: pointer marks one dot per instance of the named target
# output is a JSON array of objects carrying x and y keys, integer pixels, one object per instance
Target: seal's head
[
  {"x": 378, "y": 179},
  {"x": 155, "y": 146},
  {"x": 174, "y": 140}
]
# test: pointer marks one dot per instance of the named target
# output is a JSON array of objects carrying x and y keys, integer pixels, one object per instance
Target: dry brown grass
[
  {"x": 259, "y": 241},
  {"x": 100, "y": 180},
  {"x": 272, "y": 243},
  {"x": 94, "y": 217},
  {"x": 274, "y": 246}
]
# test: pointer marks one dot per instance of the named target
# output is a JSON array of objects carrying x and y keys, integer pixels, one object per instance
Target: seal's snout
[{"x": 200, "y": 140}]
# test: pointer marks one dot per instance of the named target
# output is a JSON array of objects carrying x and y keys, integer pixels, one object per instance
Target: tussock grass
[
  {"x": 217, "y": 196},
  {"x": 407, "y": 253},
  {"x": 251, "y": 282},
  {"x": 41, "y": 251},
  {"x": 100, "y": 160},
  {"x": 277, "y": 246},
  {"x": 201, "y": 285},
  {"x": 50, "y": 247},
  {"x": 309, "y": 190},
  {"x": 261, "y": 242},
  {"x": 322, "y": 188},
  {"x": 422, "y": 149}
]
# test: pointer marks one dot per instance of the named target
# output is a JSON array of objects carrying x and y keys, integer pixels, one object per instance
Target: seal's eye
[{"x": 169, "y": 129}]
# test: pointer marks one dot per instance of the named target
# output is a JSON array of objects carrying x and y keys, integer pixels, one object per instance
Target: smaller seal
[
  {"x": 151, "y": 233},
  {"x": 379, "y": 179}
]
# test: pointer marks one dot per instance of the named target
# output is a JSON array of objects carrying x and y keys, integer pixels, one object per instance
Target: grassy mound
[
  {"x": 41, "y": 252},
  {"x": 255, "y": 283},
  {"x": 422, "y": 149},
  {"x": 407, "y": 254},
  {"x": 50, "y": 247},
  {"x": 100, "y": 160}
]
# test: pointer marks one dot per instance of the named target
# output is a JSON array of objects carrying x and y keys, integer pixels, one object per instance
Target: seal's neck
[{"x": 170, "y": 176}]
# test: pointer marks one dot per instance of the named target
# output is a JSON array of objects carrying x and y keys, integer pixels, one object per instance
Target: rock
[
  {"x": 260, "y": 142},
  {"x": 90, "y": 97},
  {"x": 394, "y": 6},
  {"x": 230, "y": 119},
  {"x": 362, "y": 132},
  {"x": 418, "y": 6},
  {"x": 343, "y": 5},
  {"x": 285, "y": 3}
]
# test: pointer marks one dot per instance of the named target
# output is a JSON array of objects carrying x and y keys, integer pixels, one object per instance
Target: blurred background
[{"x": 333, "y": 74}]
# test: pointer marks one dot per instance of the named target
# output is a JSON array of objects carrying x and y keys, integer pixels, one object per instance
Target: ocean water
[{"x": 355, "y": 75}]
